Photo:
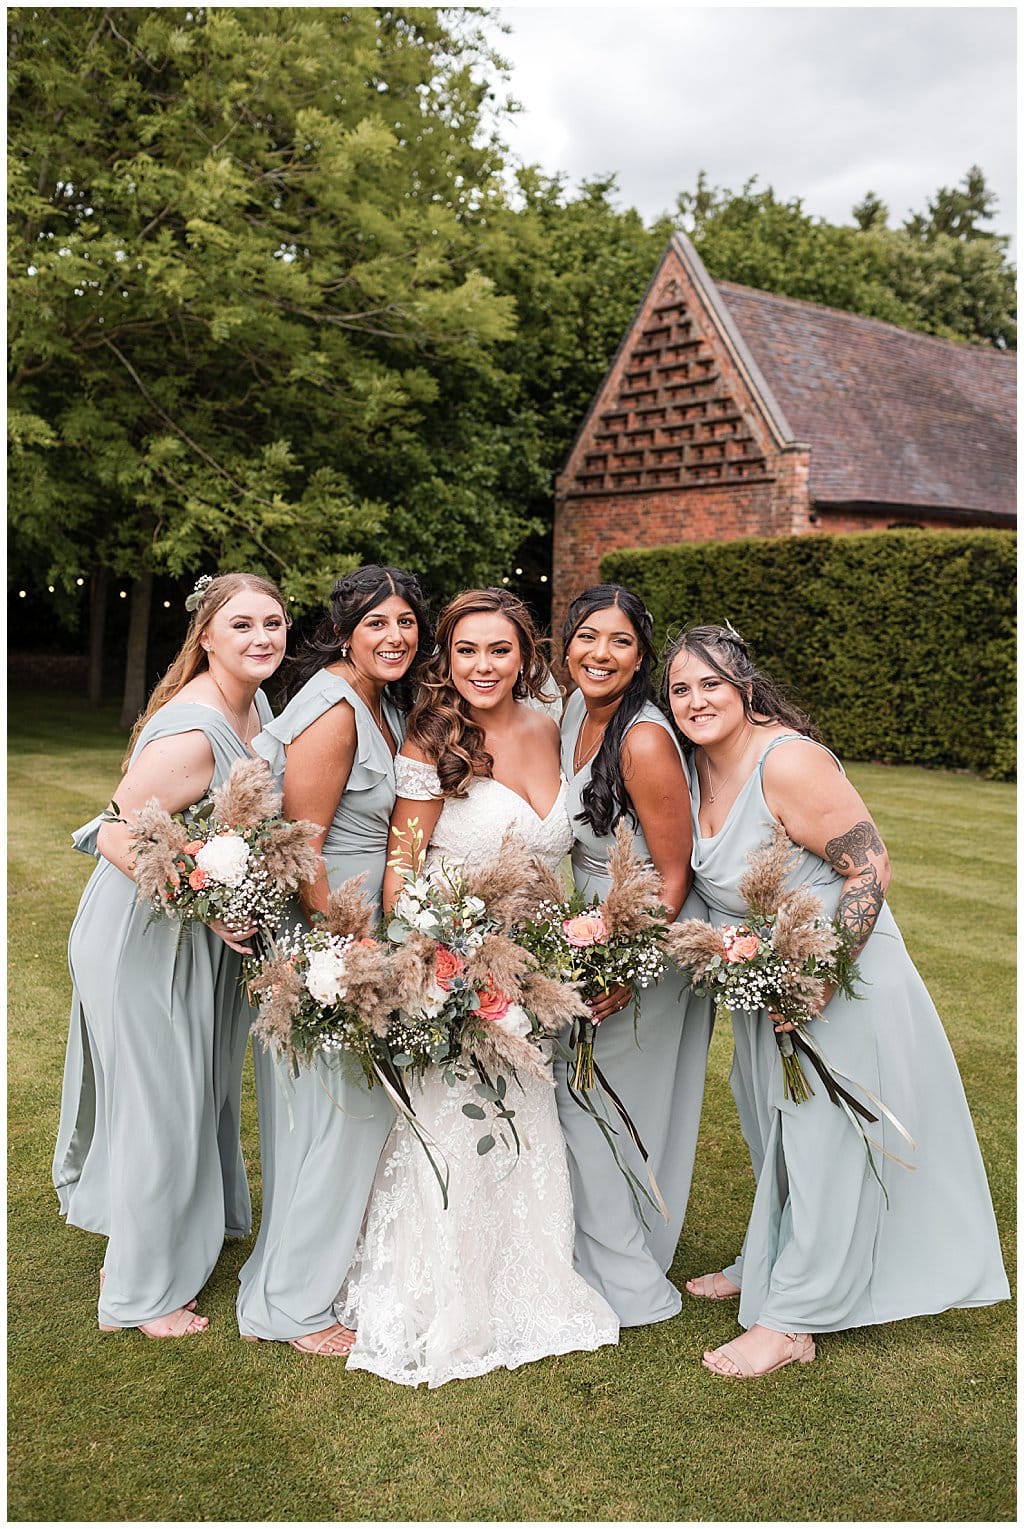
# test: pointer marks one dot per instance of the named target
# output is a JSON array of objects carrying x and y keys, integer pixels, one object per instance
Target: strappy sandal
[
  {"x": 801, "y": 1351},
  {"x": 707, "y": 1288},
  {"x": 323, "y": 1342}
]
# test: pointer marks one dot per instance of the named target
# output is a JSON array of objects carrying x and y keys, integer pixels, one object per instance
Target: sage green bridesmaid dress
[
  {"x": 658, "y": 1074},
  {"x": 822, "y": 1250},
  {"x": 148, "y": 1150},
  {"x": 322, "y": 1133}
]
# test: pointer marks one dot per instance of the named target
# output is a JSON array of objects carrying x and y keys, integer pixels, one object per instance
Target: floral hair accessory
[{"x": 195, "y": 599}]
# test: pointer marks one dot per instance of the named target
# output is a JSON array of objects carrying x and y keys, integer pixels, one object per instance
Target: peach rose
[
  {"x": 446, "y": 966},
  {"x": 194, "y": 846},
  {"x": 197, "y": 879},
  {"x": 368, "y": 942},
  {"x": 492, "y": 1005},
  {"x": 742, "y": 948},
  {"x": 585, "y": 929}
]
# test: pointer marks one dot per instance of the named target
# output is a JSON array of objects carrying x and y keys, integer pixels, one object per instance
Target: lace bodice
[{"x": 471, "y": 827}]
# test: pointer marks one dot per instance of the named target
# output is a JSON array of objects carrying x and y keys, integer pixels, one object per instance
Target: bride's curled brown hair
[
  {"x": 726, "y": 654},
  {"x": 440, "y": 722}
]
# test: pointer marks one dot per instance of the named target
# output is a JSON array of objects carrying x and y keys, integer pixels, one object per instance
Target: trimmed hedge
[{"x": 901, "y": 644}]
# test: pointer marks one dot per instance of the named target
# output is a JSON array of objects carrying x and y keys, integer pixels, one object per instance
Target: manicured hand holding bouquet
[
  {"x": 783, "y": 959},
  {"x": 230, "y": 859}
]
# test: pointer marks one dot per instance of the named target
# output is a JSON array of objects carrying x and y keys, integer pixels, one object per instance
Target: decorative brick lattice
[{"x": 674, "y": 422}]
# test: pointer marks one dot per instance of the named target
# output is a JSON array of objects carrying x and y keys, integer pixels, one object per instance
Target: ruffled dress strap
[
  {"x": 373, "y": 761},
  {"x": 415, "y": 780},
  {"x": 181, "y": 717}
]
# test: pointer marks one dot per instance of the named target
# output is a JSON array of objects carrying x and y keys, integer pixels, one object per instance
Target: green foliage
[
  {"x": 912, "y": 1420},
  {"x": 248, "y": 295},
  {"x": 940, "y": 274},
  {"x": 900, "y": 644}
]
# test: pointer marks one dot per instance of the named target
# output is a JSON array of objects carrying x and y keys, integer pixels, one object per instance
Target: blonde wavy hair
[
  {"x": 191, "y": 658},
  {"x": 439, "y": 722}
]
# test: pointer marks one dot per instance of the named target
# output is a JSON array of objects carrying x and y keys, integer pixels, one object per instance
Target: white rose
[
  {"x": 433, "y": 1002},
  {"x": 224, "y": 858},
  {"x": 325, "y": 977},
  {"x": 514, "y": 1021}
]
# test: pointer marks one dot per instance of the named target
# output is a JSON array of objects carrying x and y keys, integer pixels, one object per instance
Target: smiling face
[
  {"x": 485, "y": 659},
  {"x": 382, "y": 644},
  {"x": 245, "y": 637},
  {"x": 707, "y": 708},
  {"x": 603, "y": 654}
]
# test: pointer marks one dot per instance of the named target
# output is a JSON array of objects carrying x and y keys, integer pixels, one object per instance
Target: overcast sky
[{"x": 820, "y": 103}]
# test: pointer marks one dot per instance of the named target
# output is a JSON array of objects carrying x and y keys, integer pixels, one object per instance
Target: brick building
[{"x": 729, "y": 412}]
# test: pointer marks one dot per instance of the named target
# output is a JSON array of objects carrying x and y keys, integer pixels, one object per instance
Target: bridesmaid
[
  {"x": 322, "y": 1133},
  {"x": 823, "y": 1251},
  {"x": 148, "y": 1149},
  {"x": 621, "y": 760}
]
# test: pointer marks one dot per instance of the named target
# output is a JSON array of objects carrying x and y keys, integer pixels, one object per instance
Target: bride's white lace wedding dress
[{"x": 437, "y": 1295}]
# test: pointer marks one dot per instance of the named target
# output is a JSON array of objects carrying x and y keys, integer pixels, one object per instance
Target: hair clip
[{"x": 195, "y": 599}]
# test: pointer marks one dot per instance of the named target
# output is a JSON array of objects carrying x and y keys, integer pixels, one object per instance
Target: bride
[{"x": 434, "y": 1294}]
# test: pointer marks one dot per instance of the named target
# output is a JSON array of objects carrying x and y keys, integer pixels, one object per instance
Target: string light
[
  {"x": 79, "y": 582},
  {"x": 123, "y": 593},
  {"x": 50, "y": 588},
  {"x": 167, "y": 605},
  {"x": 22, "y": 593},
  {"x": 543, "y": 578},
  {"x": 505, "y": 579},
  {"x": 519, "y": 570}
]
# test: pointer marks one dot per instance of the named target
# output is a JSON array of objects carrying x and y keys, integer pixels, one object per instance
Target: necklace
[
  {"x": 243, "y": 731},
  {"x": 581, "y": 755},
  {"x": 377, "y": 715},
  {"x": 713, "y": 795}
]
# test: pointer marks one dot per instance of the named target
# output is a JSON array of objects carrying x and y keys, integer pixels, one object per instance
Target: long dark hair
[
  {"x": 605, "y": 800},
  {"x": 352, "y": 598},
  {"x": 440, "y": 722},
  {"x": 726, "y": 654}
]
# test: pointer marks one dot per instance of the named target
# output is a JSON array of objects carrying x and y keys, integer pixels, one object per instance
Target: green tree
[
  {"x": 958, "y": 285},
  {"x": 250, "y": 323}
]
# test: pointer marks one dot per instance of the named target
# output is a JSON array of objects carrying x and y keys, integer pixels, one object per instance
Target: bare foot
[
  {"x": 176, "y": 1324},
  {"x": 713, "y": 1287},
  {"x": 758, "y": 1351},
  {"x": 336, "y": 1340}
]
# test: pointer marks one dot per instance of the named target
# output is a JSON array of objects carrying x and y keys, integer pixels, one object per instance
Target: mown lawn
[{"x": 907, "y": 1422}]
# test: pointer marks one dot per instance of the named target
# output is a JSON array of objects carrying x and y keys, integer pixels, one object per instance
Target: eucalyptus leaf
[
  {"x": 484, "y": 1145},
  {"x": 473, "y": 1111}
]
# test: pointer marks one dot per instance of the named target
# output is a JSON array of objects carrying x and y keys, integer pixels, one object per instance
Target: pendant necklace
[
  {"x": 581, "y": 756},
  {"x": 243, "y": 732},
  {"x": 713, "y": 795}
]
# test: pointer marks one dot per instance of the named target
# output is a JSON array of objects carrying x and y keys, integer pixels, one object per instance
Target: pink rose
[
  {"x": 742, "y": 948},
  {"x": 446, "y": 966},
  {"x": 367, "y": 942},
  {"x": 585, "y": 929},
  {"x": 194, "y": 846},
  {"x": 492, "y": 1005},
  {"x": 197, "y": 879}
]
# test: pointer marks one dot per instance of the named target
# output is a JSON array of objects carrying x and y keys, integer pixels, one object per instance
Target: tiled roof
[{"x": 892, "y": 417}]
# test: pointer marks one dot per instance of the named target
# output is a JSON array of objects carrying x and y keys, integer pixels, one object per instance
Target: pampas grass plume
[
  {"x": 349, "y": 910},
  {"x": 763, "y": 885},
  {"x": 508, "y": 883},
  {"x": 158, "y": 841},
  {"x": 635, "y": 888},
  {"x": 694, "y": 944},
  {"x": 248, "y": 797},
  {"x": 552, "y": 1003},
  {"x": 289, "y": 858}
]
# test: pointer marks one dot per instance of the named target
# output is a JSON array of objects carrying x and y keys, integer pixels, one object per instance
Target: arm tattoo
[
  {"x": 850, "y": 851},
  {"x": 859, "y": 907}
]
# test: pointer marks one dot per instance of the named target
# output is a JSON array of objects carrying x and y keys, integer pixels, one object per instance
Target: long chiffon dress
[
  {"x": 438, "y": 1295},
  {"x": 321, "y": 1133},
  {"x": 822, "y": 1251},
  {"x": 659, "y": 1075},
  {"x": 148, "y": 1149}
]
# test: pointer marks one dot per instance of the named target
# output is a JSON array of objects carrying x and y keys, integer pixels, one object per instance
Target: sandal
[
  {"x": 801, "y": 1351},
  {"x": 335, "y": 1341},
  {"x": 181, "y": 1324},
  {"x": 705, "y": 1288}
]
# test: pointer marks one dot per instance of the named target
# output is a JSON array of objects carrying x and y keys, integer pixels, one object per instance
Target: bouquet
[
  {"x": 780, "y": 958},
  {"x": 445, "y": 984},
  {"x": 230, "y": 858},
  {"x": 598, "y": 945}
]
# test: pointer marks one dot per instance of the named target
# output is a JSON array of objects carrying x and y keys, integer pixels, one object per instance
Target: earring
[{"x": 344, "y": 650}]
